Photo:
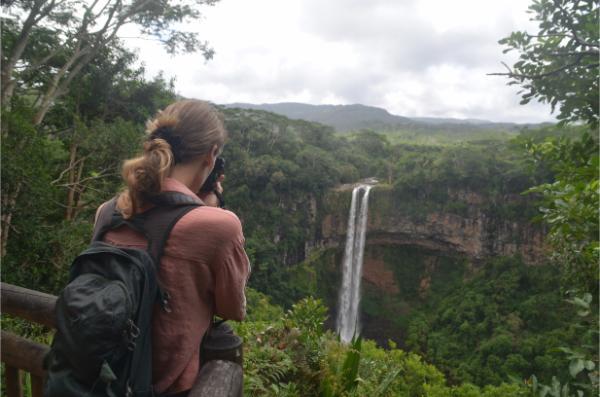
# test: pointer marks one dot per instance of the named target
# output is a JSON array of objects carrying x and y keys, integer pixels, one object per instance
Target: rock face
[
  {"x": 417, "y": 248},
  {"x": 376, "y": 273},
  {"x": 472, "y": 227}
]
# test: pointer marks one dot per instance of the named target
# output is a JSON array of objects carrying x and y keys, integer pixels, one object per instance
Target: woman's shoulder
[{"x": 218, "y": 220}]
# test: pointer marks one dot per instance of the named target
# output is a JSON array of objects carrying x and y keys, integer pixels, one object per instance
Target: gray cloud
[
  {"x": 412, "y": 57},
  {"x": 402, "y": 37}
]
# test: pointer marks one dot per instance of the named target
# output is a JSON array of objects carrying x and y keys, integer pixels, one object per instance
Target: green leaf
[
  {"x": 589, "y": 365},
  {"x": 386, "y": 383},
  {"x": 351, "y": 364},
  {"x": 565, "y": 350},
  {"x": 579, "y": 302},
  {"x": 575, "y": 367}
]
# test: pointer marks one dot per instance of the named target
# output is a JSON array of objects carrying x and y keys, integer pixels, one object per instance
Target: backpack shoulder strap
[
  {"x": 159, "y": 221},
  {"x": 155, "y": 224},
  {"x": 109, "y": 218},
  {"x": 105, "y": 219}
]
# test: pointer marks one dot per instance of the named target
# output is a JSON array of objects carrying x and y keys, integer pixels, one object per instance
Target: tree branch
[
  {"x": 81, "y": 183},
  {"x": 72, "y": 166},
  {"x": 39, "y": 63},
  {"x": 35, "y": 15},
  {"x": 548, "y": 35},
  {"x": 537, "y": 76},
  {"x": 569, "y": 22},
  {"x": 576, "y": 53}
]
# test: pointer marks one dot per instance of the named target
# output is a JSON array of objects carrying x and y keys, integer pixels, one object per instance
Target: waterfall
[{"x": 348, "y": 319}]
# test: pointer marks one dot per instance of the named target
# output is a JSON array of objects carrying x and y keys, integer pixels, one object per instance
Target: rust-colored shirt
[{"x": 204, "y": 268}]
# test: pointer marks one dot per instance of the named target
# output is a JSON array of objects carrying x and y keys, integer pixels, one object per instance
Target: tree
[
  {"x": 570, "y": 206},
  {"x": 559, "y": 64},
  {"x": 61, "y": 171},
  {"x": 74, "y": 32},
  {"x": 47, "y": 46}
]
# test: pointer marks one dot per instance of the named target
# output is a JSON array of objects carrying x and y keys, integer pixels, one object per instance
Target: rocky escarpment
[
  {"x": 416, "y": 248},
  {"x": 467, "y": 224}
]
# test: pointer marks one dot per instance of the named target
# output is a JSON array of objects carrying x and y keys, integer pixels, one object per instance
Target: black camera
[{"x": 218, "y": 170}]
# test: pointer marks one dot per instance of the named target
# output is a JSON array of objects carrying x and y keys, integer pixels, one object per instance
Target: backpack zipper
[{"x": 164, "y": 298}]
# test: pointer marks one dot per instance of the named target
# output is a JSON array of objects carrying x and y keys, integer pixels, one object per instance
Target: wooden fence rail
[{"x": 217, "y": 378}]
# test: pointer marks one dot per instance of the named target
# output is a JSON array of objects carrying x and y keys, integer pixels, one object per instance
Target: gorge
[
  {"x": 412, "y": 251},
  {"x": 439, "y": 277}
]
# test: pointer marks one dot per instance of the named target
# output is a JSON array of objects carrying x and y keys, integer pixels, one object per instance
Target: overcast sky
[{"x": 411, "y": 57}]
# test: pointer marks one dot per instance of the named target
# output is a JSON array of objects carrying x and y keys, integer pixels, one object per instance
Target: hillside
[{"x": 345, "y": 118}]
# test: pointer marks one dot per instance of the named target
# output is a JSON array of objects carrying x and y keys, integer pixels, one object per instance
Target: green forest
[{"x": 509, "y": 308}]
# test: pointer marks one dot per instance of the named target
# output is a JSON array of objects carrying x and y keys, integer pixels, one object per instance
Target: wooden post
[
  {"x": 14, "y": 385},
  {"x": 37, "y": 386},
  {"x": 219, "y": 378}
]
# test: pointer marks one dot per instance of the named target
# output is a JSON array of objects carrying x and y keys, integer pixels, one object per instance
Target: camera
[{"x": 218, "y": 170}]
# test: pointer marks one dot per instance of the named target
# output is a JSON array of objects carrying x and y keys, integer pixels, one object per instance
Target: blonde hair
[{"x": 181, "y": 132}]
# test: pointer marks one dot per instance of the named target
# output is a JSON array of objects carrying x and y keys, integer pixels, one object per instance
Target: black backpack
[{"x": 103, "y": 341}]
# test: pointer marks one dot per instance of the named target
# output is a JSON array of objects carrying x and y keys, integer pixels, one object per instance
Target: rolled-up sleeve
[{"x": 232, "y": 268}]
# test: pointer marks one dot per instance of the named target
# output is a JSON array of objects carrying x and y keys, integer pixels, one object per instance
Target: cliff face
[
  {"x": 469, "y": 225},
  {"x": 416, "y": 249}
]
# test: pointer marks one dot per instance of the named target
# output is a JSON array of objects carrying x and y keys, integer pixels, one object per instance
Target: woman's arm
[{"x": 232, "y": 270}]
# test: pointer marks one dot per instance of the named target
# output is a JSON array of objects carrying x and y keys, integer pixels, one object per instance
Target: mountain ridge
[{"x": 354, "y": 117}]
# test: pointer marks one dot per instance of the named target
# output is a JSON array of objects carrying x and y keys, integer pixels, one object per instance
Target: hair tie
[{"x": 176, "y": 143}]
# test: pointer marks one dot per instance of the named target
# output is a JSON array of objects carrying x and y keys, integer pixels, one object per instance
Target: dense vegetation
[
  {"x": 290, "y": 354},
  {"x": 498, "y": 324},
  {"x": 479, "y": 329}
]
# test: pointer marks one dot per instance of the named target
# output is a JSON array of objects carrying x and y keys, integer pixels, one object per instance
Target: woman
[{"x": 204, "y": 266}]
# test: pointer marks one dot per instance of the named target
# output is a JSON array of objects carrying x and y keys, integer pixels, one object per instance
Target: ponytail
[{"x": 144, "y": 176}]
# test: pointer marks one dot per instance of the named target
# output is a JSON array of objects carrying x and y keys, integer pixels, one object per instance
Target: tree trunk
[
  {"x": 35, "y": 15},
  {"x": 81, "y": 57},
  {"x": 77, "y": 188},
  {"x": 71, "y": 182},
  {"x": 9, "y": 200},
  {"x": 47, "y": 100},
  {"x": 60, "y": 83}
]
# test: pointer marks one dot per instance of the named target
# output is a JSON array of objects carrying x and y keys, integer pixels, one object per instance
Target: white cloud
[{"x": 413, "y": 57}]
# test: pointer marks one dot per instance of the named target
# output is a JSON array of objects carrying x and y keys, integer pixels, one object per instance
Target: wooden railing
[{"x": 217, "y": 378}]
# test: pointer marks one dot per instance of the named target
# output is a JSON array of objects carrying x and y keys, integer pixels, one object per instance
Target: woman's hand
[{"x": 210, "y": 198}]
